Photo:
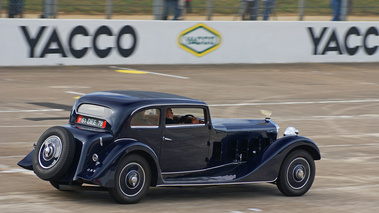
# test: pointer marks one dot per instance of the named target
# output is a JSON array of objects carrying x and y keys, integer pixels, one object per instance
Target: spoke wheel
[
  {"x": 53, "y": 153},
  {"x": 132, "y": 179},
  {"x": 296, "y": 174}
]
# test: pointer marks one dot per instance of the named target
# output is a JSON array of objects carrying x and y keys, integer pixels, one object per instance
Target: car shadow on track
[
  {"x": 177, "y": 194},
  {"x": 212, "y": 192}
]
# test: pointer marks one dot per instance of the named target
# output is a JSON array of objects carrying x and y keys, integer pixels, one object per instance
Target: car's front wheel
[
  {"x": 296, "y": 174},
  {"x": 132, "y": 179}
]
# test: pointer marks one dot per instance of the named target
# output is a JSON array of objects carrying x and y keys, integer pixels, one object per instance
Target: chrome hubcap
[
  {"x": 50, "y": 152},
  {"x": 298, "y": 173},
  {"x": 132, "y": 179}
]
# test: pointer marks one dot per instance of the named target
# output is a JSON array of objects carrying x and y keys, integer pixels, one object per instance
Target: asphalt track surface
[{"x": 336, "y": 105}]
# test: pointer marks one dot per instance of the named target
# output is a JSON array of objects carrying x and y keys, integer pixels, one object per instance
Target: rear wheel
[
  {"x": 296, "y": 174},
  {"x": 53, "y": 153},
  {"x": 132, "y": 179}
]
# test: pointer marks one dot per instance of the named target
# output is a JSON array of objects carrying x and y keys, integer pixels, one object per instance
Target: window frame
[
  {"x": 134, "y": 113},
  {"x": 186, "y": 125}
]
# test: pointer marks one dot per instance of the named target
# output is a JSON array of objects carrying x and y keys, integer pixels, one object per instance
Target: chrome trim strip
[
  {"x": 200, "y": 170},
  {"x": 125, "y": 139},
  {"x": 183, "y": 125},
  {"x": 144, "y": 127},
  {"x": 214, "y": 184},
  {"x": 276, "y": 125}
]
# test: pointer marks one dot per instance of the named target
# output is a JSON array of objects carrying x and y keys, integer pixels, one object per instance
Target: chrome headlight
[{"x": 291, "y": 131}]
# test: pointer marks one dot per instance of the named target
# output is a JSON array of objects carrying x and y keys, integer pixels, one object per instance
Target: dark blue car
[{"x": 127, "y": 141}]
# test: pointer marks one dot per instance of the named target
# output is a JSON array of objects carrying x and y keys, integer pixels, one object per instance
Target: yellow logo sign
[{"x": 199, "y": 40}]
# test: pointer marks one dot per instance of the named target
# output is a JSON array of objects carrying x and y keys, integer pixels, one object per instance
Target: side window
[
  {"x": 149, "y": 117},
  {"x": 183, "y": 116}
]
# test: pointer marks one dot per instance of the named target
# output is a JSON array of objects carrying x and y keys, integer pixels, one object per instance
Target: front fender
[
  {"x": 286, "y": 144},
  {"x": 102, "y": 171},
  {"x": 266, "y": 166}
]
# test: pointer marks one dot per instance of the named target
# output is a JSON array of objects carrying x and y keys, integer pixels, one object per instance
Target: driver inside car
[{"x": 188, "y": 119}]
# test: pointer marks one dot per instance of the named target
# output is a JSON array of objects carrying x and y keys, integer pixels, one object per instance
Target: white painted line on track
[
  {"x": 15, "y": 142},
  {"x": 154, "y": 73},
  {"x": 320, "y": 118},
  {"x": 17, "y": 171},
  {"x": 26, "y": 126},
  {"x": 349, "y": 145},
  {"x": 4, "y": 169},
  {"x": 33, "y": 110},
  {"x": 75, "y": 93},
  {"x": 69, "y": 87},
  {"x": 371, "y": 84},
  {"x": 300, "y": 102},
  {"x": 254, "y": 209},
  {"x": 14, "y": 156}
]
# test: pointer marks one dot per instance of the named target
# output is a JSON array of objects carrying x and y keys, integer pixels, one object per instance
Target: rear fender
[
  {"x": 27, "y": 161},
  {"x": 102, "y": 172}
]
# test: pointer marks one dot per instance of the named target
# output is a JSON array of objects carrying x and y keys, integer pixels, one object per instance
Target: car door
[
  {"x": 145, "y": 127},
  {"x": 185, "y": 144}
]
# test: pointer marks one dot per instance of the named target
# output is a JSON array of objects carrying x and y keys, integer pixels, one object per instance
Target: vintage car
[{"x": 128, "y": 141}]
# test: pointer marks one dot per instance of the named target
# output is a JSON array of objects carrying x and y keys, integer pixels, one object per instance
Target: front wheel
[
  {"x": 132, "y": 179},
  {"x": 296, "y": 174}
]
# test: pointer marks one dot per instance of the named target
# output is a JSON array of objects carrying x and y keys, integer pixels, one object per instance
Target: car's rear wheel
[
  {"x": 53, "y": 153},
  {"x": 296, "y": 174},
  {"x": 132, "y": 179}
]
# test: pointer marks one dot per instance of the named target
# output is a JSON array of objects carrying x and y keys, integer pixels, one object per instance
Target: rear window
[{"x": 95, "y": 110}]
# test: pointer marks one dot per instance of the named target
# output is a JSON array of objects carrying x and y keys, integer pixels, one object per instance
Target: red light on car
[
  {"x": 79, "y": 119},
  {"x": 104, "y": 124}
]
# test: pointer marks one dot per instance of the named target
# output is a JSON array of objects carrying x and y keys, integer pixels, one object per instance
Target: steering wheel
[{"x": 186, "y": 119}]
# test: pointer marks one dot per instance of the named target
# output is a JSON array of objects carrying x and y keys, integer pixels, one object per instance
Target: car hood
[{"x": 244, "y": 125}]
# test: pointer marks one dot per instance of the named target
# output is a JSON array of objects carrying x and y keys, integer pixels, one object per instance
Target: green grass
[{"x": 221, "y": 7}]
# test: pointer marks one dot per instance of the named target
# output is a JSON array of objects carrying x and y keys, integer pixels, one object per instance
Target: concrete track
[{"x": 336, "y": 105}]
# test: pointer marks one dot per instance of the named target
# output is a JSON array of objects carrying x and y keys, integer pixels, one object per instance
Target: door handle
[{"x": 166, "y": 139}]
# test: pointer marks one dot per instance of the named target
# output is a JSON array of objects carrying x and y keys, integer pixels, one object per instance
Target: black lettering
[
  {"x": 316, "y": 40},
  {"x": 126, "y": 30},
  {"x": 79, "y": 30},
  {"x": 103, "y": 30},
  {"x": 370, "y": 50},
  {"x": 335, "y": 48},
  {"x": 32, "y": 41},
  {"x": 54, "y": 38},
  {"x": 351, "y": 31}
]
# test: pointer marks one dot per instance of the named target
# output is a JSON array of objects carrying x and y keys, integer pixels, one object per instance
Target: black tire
[
  {"x": 296, "y": 174},
  {"x": 132, "y": 180},
  {"x": 54, "y": 153}
]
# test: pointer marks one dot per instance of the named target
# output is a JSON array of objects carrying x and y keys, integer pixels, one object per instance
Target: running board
[{"x": 63, "y": 187}]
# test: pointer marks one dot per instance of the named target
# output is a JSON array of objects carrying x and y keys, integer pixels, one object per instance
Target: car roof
[
  {"x": 147, "y": 94},
  {"x": 135, "y": 99}
]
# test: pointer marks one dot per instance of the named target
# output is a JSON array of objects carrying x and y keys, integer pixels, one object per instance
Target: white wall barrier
[{"x": 91, "y": 42}]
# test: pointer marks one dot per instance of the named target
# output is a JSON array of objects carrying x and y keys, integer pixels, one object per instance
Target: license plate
[{"x": 91, "y": 121}]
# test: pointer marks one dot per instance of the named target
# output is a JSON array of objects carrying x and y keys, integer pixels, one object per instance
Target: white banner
[{"x": 92, "y": 42}]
